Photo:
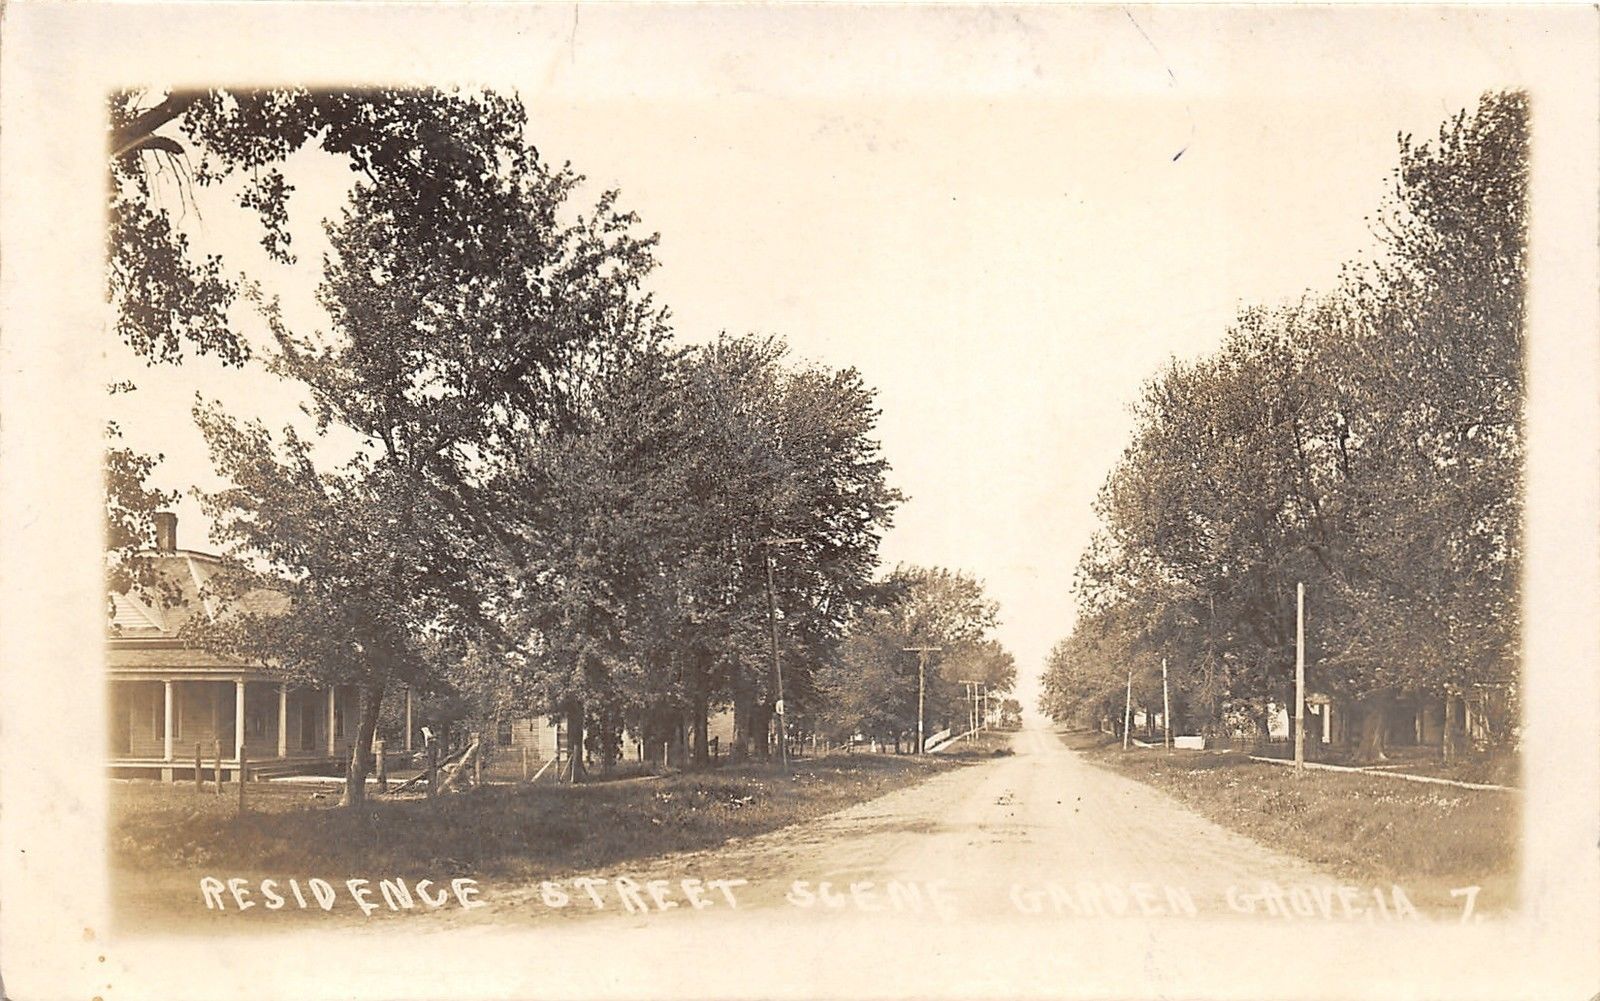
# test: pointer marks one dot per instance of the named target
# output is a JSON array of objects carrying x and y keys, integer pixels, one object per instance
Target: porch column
[
  {"x": 238, "y": 720},
  {"x": 408, "y": 719},
  {"x": 1327, "y": 723},
  {"x": 333, "y": 750},
  {"x": 283, "y": 719},
  {"x": 166, "y": 722}
]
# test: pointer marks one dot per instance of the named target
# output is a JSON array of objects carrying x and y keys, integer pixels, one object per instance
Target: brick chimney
[{"x": 166, "y": 532}]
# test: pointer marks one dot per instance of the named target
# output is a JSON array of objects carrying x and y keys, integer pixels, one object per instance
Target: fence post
[
  {"x": 199, "y": 769},
  {"x": 524, "y": 764},
  {"x": 381, "y": 765},
  {"x": 433, "y": 769},
  {"x": 216, "y": 752}
]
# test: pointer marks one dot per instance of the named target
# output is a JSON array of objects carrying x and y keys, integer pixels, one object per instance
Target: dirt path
[{"x": 1040, "y": 828}]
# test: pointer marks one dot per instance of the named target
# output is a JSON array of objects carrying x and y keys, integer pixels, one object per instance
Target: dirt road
[
  {"x": 1032, "y": 875},
  {"x": 1037, "y": 832}
]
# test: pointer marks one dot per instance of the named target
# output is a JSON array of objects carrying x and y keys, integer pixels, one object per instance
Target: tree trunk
[
  {"x": 608, "y": 742},
  {"x": 360, "y": 765},
  {"x": 1375, "y": 707},
  {"x": 760, "y": 725},
  {"x": 743, "y": 709},
  {"x": 1448, "y": 738},
  {"x": 680, "y": 740},
  {"x": 575, "y": 722},
  {"x": 702, "y": 753}
]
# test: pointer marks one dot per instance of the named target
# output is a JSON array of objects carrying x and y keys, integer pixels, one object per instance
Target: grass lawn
[
  {"x": 165, "y": 837},
  {"x": 1469, "y": 766},
  {"x": 1369, "y": 829}
]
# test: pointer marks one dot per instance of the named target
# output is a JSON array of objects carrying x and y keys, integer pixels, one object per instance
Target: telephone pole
[
  {"x": 972, "y": 708},
  {"x": 777, "y": 667},
  {"x": 1299, "y": 677},
  {"x": 922, "y": 685}
]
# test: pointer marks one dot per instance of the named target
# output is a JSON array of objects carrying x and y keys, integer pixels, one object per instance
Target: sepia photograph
[{"x": 800, "y": 500}]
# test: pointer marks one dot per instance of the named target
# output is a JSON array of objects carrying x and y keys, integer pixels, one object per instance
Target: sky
[{"x": 1007, "y": 255}]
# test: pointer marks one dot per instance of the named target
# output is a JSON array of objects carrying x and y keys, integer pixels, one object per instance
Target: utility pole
[
  {"x": 1300, "y": 677},
  {"x": 1166, "y": 706},
  {"x": 971, "y": 688},
  {"x": 777, "y": 667},
  {"x": 922, "y": 684}
]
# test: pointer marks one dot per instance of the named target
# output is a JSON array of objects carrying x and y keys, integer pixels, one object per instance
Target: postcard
[{"x": 776, "y": 500}]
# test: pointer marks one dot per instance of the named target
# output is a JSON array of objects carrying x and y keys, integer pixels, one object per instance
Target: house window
[{"x": 502, "y": 732}]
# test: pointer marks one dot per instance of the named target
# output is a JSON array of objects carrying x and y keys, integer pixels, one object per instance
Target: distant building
[
  {"x": 541, "y": 738},
  {"x": 545, "y": 739}
]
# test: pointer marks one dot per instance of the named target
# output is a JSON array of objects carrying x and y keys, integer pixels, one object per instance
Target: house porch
[{"x": 158, "y": 725}]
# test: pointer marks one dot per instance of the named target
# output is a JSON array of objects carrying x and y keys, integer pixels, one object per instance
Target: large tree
[
  {"x": 1429, "y": 428},
  {"x": 450, "y": 347},
  {"x": 1366, "y": 442},
  {"x": 587, "y": 585},
  {"x": 653, "y": 517},
  {"x": 165, "y": 147}
]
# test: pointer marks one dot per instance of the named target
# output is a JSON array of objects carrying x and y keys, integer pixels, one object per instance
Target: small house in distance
[
  {"x": 169, "y": 701},
  {"x": 545, "y": 737}
]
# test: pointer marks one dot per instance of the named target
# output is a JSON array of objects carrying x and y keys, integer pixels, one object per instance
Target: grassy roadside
[
  {"x": 1364, "y": 828},
  {"x": 164, "y": 838},
  {"x": 984, "y": 744},
  {"x": 1468, "y": 767}
]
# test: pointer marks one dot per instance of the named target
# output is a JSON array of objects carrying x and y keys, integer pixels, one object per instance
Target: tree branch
[{"x": 134, "y": 135}]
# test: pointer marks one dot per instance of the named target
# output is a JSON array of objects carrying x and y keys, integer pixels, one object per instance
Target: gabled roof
[{"x": 181, "y": 574}]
